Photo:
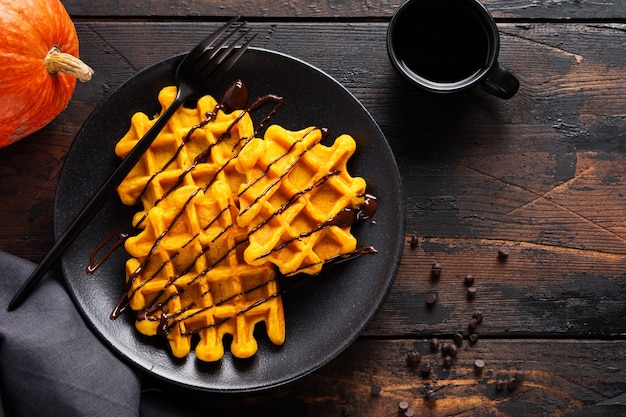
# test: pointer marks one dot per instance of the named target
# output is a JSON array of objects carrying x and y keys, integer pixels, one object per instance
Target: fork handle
[{"x": 94, "y": 205}]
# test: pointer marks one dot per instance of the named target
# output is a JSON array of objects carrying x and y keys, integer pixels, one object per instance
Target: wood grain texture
[
  {"x": 344, "y": 9},
  {"x": 541, "y": 174},
  {"x": 565, "y": 378},
  {"x": 478, "y": 172}
]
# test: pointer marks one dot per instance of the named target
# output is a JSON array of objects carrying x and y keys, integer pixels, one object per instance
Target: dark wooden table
[{"x": 542, "y": 175}]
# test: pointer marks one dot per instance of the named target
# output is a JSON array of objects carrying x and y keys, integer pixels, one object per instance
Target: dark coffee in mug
[
  {"x": 444, "y": 41},
  {"x": 446, "y": 46}
]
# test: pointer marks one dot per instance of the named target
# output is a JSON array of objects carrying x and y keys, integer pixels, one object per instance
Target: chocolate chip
[
  {"x": 458, "y": 339},
  {"x": 473, "y": 324},
  {"x": 413, "y": 358},
  {"x": 478, "y": 316},
  {"x": 469, "y": 280},
  {"x": 431, "y": 299},
  {"x": 376, "y": 390},
  {"x": 503, "y": 252},
  {"x": 471, "y": 292},
  {"x": 434, "y": 343},
  {"x": 499, "y": 384},
  {"x": 429, "y": 394},
  {"x": 435, "y": 270},
  {"x": 448, "y": 349},
  {"x": 413, "y": 241},
  {"x": 513, "y": 383},
  {"x": 426, "y": 369},
  {"x": 473, "y": 338},
  {"x": 448, "y": 361}
]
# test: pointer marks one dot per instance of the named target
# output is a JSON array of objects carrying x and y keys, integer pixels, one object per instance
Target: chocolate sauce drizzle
[
  {"x": 235, "y": 97},
  {"x": 121, "y": 238},
  {"x": 165, "y": 326},
  {"x": 345, "y": 218},
  {"x": 284, "y": 174}
]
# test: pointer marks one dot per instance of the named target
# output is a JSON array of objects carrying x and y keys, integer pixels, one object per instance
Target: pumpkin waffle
[
  {"x": 220, "y": 212},
  {"x": 187, "y": 275},
  {"x": 193, "y": 279},
  {"x": 189, "y": 150},
  {"x": 296, "y": 192}
]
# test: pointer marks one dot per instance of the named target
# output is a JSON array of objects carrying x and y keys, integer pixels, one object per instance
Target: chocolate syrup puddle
[{"x": 235, "y": 96}]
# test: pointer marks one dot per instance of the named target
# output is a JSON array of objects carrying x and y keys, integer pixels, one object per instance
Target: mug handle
[{"x": 500, "y": 82}]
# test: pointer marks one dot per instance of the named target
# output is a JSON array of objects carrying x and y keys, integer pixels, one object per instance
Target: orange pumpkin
[{"x": 39, "y": 65}]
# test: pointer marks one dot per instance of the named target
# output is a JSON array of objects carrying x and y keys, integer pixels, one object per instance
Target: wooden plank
[
  {"x": 559, "y": 378},
  {"x": 548, "y": 290},
  {"x": 533, "y": 183},
  {"x": 478, "y": 172},
  {"x": 302, "y": 9},
  {"x": 211, "y": 10}
]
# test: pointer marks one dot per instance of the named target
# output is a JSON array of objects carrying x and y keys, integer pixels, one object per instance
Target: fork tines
[
  {"x": 222, "y": 54},
  {"x": 222, "y": 50}
]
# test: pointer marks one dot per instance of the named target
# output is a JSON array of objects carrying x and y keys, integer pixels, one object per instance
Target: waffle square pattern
[
  {"x": 295, "y": 187},
  {"x": 220, "y": 213}
]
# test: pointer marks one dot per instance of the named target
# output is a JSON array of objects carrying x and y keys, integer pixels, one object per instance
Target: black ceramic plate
[{"x": 323, "y": 315}]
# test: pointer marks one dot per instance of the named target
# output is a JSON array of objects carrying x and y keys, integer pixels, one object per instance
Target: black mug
[{"x": 447, "y": 46}]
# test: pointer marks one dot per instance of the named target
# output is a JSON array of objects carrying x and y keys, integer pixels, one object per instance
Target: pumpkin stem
[{"x": 57, "y": 61}]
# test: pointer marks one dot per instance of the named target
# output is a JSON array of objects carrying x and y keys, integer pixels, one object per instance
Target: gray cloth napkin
[{"x": 51, "y": 364}]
